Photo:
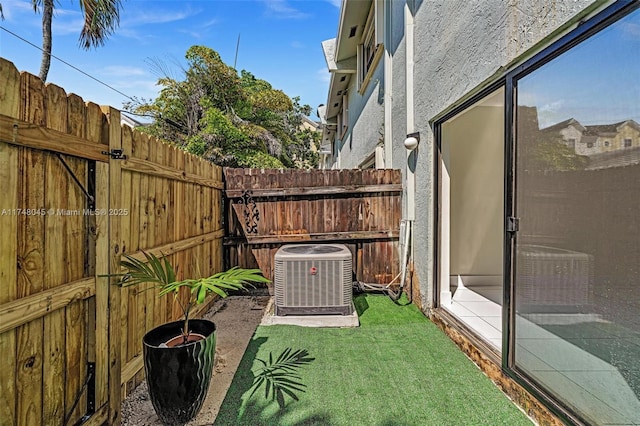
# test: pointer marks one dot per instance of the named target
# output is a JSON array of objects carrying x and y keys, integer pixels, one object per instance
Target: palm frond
[
  {"x": 280, "y": 377},
  {"x": 101, "y": 18},
  {"x": 232, "y": 279},
  {"x": 151, "y": 271},
  {"x": 160, "y": 272}
]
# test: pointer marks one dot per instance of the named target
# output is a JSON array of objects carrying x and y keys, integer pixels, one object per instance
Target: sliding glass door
[{"x": 576, "y": 253}]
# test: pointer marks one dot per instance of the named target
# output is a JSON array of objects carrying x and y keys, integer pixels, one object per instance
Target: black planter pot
[{"x": 178, "y": 377}]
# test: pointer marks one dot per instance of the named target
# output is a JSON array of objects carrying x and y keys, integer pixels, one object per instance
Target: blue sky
[
  {"x": 279, "y": 42},
  {"x": 596, "y": 82}
]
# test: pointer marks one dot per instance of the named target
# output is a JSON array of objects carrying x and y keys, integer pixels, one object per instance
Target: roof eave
[{"x": 353, "y": 13}]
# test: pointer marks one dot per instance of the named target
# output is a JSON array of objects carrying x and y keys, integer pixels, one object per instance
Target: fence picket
[
  {"x": 360, "y": 208},
  {"x": 174, "y": 205}
]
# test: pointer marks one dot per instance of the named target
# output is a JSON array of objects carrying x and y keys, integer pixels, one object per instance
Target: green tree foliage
[
  {"x": 544, "y": 151},
  {"x": 233, "y": 120},
  {"x": 550, "y": 154}
]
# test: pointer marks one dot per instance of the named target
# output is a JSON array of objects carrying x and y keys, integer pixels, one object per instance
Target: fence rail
[
  {"x": 359, "y": 208},
  {"x": 70, "y": 340},
  {"x": 67, "y": 213}
]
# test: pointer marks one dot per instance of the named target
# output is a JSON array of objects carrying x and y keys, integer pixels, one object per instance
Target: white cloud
[
  {"x": 280, "y": 9},
  {"x": 122, "y": 71},
  {"x": 336, "y": 3},
  {"x": 143, "y": 88},
  {"x": 155, "y": 16},
  {"x": 527, "y": 98},
  {"x": 297, "y": 45},
  {"x": 631, "y": 29},
  {"x": 62, "y": 27},
  {"x": 552, "y": 106},
  {"x": 143, "y": 37},
  {"x": 211, "y": 23},
  {"x": 12, "y": 8},
  {"x": 57, "y": 13},
  {"x": 551, "y": 113},
  {"x": 323, "y": 75}
]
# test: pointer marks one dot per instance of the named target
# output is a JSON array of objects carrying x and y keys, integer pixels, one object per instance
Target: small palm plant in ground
[
  {"x": 160, "y": 272},
  {"x": 281, "y": 376}
]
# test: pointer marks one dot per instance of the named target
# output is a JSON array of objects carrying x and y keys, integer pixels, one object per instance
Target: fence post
[
  {"x": 9, "y": 181},
  {"x": 112, "y": 260},
  {"x": 102, "y": 285}
]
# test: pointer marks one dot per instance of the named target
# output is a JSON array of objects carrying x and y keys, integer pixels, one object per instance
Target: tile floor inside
[{"x": 600, "y": 391}]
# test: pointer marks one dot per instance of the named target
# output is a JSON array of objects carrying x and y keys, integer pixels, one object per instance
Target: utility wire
[
  {"x": 168, "y": 121},
  {"x": 69, "y": 65}
]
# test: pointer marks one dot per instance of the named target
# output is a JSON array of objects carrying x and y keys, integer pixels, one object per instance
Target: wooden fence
[
  {"x": 70, "y": 341},
  {"x": 359, "y": 208},
  {"x": 559, "y": 208}
]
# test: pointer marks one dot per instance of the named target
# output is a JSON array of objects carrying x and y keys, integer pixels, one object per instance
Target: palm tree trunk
[{"x": 47, "y": 14}]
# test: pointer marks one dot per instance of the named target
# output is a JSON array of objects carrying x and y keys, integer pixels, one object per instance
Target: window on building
[
  {"x": 589, "y": 144},
  {"x": 606, "y": 143},
  {"x": 343, "y": 116},
  {"x": 627, "y": 143},
  {"x": 369, "y": 50},
  {"x": 369, "y": 162}
]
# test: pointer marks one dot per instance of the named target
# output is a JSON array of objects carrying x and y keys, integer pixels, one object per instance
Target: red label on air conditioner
[{"x": 313, "y": 270}]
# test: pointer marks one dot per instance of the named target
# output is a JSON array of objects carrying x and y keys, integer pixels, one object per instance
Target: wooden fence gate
[
  {"x": 358, "y": 208},
  {"x": 78, "y": 190}
]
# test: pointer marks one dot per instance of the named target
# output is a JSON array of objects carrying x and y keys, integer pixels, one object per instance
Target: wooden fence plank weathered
[{"x": 360, "y": 208}]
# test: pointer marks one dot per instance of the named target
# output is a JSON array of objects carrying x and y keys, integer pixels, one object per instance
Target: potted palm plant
[{"x": 179, "y": 356}]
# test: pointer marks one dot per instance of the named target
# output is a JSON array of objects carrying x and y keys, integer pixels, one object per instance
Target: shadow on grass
[
  {"x": 247, "y": 404},
  {"x": 280, "y": 375},
  {"x": 254, "y": 415},
  {"x": 361, "y": 304}
]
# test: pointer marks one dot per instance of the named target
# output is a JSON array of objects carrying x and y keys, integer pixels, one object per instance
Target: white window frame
[
  {"x": 370, "y": 47},
  {"x": 343, "y": 117}
]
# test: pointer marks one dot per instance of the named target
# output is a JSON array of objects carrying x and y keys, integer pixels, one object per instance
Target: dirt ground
[{"x": 236, "y": 318}]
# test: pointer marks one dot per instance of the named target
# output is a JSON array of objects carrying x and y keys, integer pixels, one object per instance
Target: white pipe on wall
[
  {"x": 388, "y": 88},
  {"x": 410, "y": 172}
]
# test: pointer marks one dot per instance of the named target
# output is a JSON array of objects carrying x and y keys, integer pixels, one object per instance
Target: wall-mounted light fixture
[{"x": 412, "y": 141}]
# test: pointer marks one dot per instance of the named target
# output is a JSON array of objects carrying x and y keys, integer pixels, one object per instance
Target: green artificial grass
[{"x": 396, "y": 369}]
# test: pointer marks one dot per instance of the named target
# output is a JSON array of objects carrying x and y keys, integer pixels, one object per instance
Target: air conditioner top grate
[
  {"x": 311, "y": 249},
  {"x": 293, "y": 252}
]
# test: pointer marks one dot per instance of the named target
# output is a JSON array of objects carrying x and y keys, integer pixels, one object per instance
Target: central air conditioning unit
[{"x": 312, "y": 279}]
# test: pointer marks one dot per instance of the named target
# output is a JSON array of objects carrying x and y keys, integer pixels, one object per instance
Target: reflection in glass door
[{"x": 577, "y": 252}]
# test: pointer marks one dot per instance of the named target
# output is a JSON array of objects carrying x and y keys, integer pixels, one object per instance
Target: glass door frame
[
  {"x": 584, "y": 30},
  {"x": 509, "y": 81}
]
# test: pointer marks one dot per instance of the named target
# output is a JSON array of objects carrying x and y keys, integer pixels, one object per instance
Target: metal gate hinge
[
  {"x": 116, "y": 154},
  {"x": 513, "y": 224}
]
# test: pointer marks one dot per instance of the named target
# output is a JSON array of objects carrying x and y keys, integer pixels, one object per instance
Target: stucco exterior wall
[
  {"x": 458, "y": 46},
  {"x": 398, "y": 51},
  {"x": 366, "y": 120}
]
